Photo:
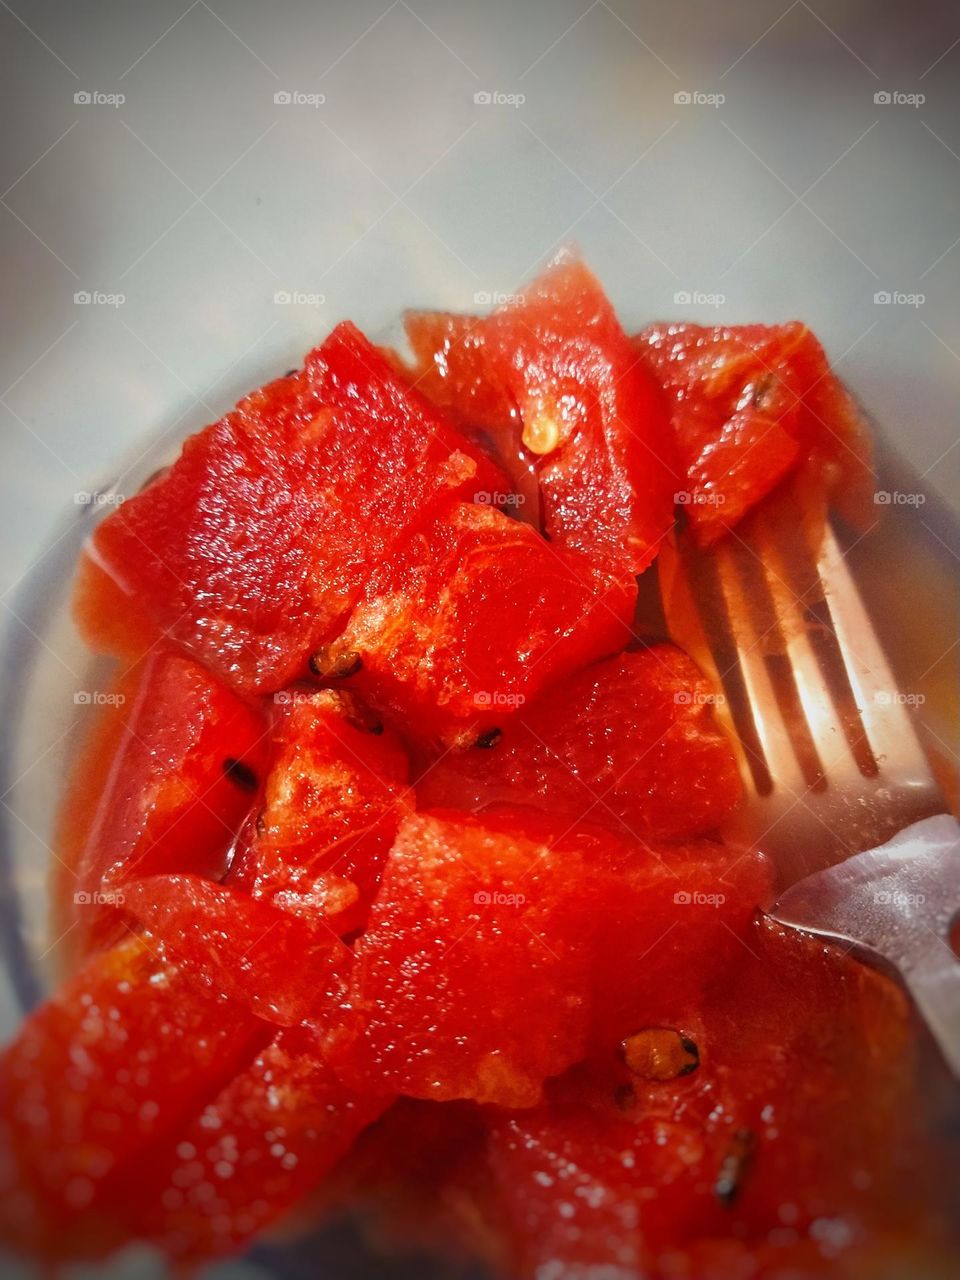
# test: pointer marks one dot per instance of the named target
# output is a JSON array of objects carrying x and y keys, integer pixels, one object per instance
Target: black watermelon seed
[{"x": 240, "y": 774}]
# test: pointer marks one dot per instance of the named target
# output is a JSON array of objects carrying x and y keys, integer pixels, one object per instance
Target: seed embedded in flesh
[
  {"x": 241, "y": 774},
  {"x": 660, "y": 1053},
  {"x": 335, "y": 666},
  {"x": 541, "y": 434},
  {"x": 489, "y": 739}
]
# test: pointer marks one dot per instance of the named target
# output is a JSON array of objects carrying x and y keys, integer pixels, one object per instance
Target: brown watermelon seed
[
  {"x": 489, "y": 739},
  {"x": 660, "y": 1053},
  {"x": 335, "y": 666}
]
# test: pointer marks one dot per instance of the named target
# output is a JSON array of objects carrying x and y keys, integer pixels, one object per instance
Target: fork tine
[
  {"x": 830, "y": 757},
  {"x": 888, "y": 725}
]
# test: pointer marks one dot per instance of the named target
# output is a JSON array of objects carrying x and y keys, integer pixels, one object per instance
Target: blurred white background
[{"x": 787, "y": 191}]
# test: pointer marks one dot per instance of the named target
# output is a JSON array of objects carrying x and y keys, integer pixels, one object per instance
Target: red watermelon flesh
[
  {"x": 659, "y": 921},
  {"x": 251, "y": 548},
  {"x": 436, "y": 1009},
  {"x": 553, "y": 378},
  {"x": 452, "y": 367},
  {"x": 251, "y": 1154},
  {"x": 334, "y": 796},
  {"x": 792, "y": 1140},
  {"x": 592, "y": 415},
  {"x": 748, "y": 403},
  {"x": 472, "y": 618},
  {"x": 164, "y": 782},
  {"x": 124, "y": 1053},
  {"x": 595, "y": 926},
  {"x": 630, "y": 742},
  {"x": 276, "y": 964}
]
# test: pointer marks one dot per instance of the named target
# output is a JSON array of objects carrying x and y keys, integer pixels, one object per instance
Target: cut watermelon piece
[
  {"x": 252, "y": 547},
  {"x": 782, "y": 1148},
  {"x": 452, "y": 367},
  {"x": 122, "y": 1055},
  {"x": 591, "y": 413},
  {"x": 335, "y": 794},
  {"x": 630, "y": 743},
  {"x": 277, "y": 965},
  {"x": 473, "y": 617},
  {"x": 659, "y": 922},
  {"x": 435, "y": 1008},
  {"x": 553, "y": 376},
  {"x": 749, "y": 403},
  {"x": 254, "y": 1151},
  {"x": 170, "y": 771}
]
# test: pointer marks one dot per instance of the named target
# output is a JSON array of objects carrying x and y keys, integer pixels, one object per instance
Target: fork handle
[
  {"x": 927, "y": 962},
  {"x": 932, "y": 977},
  {"x": 898, "y": 901}
]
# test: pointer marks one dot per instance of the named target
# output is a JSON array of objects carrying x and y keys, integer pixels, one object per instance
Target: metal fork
[{"x": 840, "y": 793}]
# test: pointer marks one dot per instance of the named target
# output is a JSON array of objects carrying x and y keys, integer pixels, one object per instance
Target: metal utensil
[{"x": 840, "y": 793}]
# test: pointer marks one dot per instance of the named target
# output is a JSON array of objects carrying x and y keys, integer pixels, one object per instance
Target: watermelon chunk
[
  {"x": 276, "y": 964},
  {"x": 251, "y": 1154},
  {"x": 748, "y": 403},
  {"x": 774, "y": 1155},
  {"x": 452, "y": 367},
  {"x": 552, "y": 375},
  {"x": 436, "y": 1010},
  {"x": 334, "y": 796},
  {"x": 630, "y": 742},
  {"x": 163, "y": 784},
  {"x": 471, "y": 619},
  {"x": 251, "y": 548},
  {"x": 597, "y": 928},
  {"x": 124, "y": 1053}
]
